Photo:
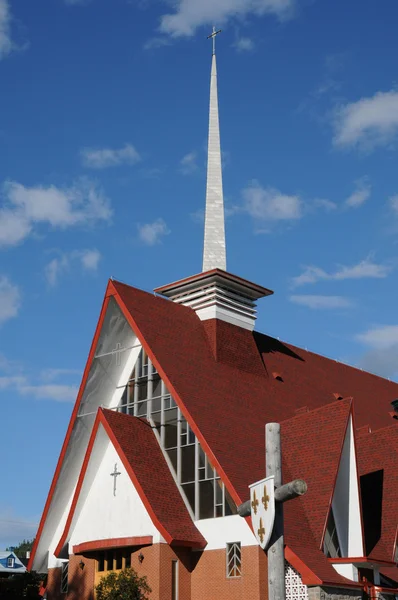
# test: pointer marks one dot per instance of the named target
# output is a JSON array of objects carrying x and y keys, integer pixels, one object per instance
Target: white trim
[{"x": 345, "y": 504}]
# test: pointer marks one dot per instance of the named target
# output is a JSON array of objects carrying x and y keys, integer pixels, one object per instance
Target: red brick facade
[{"x": 201, "y": 575}]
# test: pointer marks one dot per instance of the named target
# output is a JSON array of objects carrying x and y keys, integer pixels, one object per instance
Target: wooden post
[{"x": 276, "y": 554}]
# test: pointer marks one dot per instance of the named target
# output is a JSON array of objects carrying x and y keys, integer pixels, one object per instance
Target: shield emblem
[{"x": 262, "y": 505}]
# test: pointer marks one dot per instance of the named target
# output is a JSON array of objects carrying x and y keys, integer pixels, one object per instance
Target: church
[{"x": 168, "y": 432}]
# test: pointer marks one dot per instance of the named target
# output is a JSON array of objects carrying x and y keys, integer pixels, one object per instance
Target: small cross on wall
[{"x": 114, "y": 475}]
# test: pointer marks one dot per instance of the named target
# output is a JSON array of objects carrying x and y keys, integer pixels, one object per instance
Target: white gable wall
[
  {"x": 345, "y": 504},
  {"x": 100, "y": 514},
  {"x": 104, "y": 388},
  {"x": 223, "y": 530}
]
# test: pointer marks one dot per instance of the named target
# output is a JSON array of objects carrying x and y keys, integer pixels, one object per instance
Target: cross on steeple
[
  {"x": 213, "y": 37},
  {"x": 214, "y": 254}
]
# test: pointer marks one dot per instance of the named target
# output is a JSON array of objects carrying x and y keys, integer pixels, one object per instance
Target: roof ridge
[
  {"x": 319, "y": 354},
  {"x": 347, "y": 400}
]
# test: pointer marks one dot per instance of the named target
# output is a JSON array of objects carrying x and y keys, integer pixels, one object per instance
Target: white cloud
[
  {"x": 322, "y": 302},
  {"x": 102, "y": 158},
  {"x": 393, "y": 201},
  {"x": 364, "y": 269},
  {"x": 244, "y": 44},
  {"x": 10, "y": 299},
  {"x": 191, "y": 14},
  {"x": 269, "y": 204},
  {"x": 327, "y": 205},
  {"x": 24, "y": 208},
  {"x": 360, "y": 194},
  {"x": 152, "y": 233},
  {"x": 48, "y": 375},
  {"x": 188, "y": 163},
  {"x": 88, "y": 259},
  {"x": 380, "y": 337},
  {"x": 42, "y": 386},
  {"x": 56, "y": 392},
  {"x": 156, "y": 42},
  {"x": 382, "y": 358},
  {"x": 367, "y": 123},
  {"x": 6, "y": 44}
]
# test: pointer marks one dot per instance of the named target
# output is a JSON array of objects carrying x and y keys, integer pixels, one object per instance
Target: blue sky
[{"x": 103, "y": 129}]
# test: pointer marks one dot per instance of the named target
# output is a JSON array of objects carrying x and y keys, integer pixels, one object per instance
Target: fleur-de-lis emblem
[
  {"x": 265, "y": 498},
  {"x": 255, "y": 502}
]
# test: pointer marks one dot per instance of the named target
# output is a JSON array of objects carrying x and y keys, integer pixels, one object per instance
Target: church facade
[{"x": 167, "y": 433}]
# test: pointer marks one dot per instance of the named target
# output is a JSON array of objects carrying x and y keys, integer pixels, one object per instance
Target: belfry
[{"x": 167, "y": 433}]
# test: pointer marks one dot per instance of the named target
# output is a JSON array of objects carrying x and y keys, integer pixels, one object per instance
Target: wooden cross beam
[{"x": 283, "y": 493}]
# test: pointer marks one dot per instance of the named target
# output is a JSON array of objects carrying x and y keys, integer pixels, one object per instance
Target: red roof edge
[
  {"x": 211, "y": 456},
  {"x": 308, "y": 577},
  {"x": 361, "y": 559},
  {"x": 144, "y": 540},
  {"x": 337, "y": 472},
  {"x": 110, "y": 291}
]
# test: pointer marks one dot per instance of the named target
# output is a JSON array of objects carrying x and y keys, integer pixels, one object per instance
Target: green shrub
[{"x": 123, "y": 585}]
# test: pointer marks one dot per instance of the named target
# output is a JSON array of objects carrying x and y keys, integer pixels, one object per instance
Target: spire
[{"x": 214, "y": 256}]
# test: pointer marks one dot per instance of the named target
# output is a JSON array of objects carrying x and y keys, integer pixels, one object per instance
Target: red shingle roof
[
  {"x": 138, "y": 444},
  {"x": 378, "y": 451},
  {"x": 312, "y": 444},
  {"x": 222, "y": 377}
]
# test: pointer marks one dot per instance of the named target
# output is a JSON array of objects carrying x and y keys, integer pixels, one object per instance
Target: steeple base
[{"x": 217, "y": 294}]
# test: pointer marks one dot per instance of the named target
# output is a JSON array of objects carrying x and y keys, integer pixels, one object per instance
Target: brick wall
[
  {"x": 81, "y": 581},
  {"x": 210, "y": 582},
  {"x": 54, "y": 585},
  {"x": 202, "y": 575}
]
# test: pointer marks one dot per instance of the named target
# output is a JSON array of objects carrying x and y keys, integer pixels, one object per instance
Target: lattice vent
[{"x": 295, "y": 589}]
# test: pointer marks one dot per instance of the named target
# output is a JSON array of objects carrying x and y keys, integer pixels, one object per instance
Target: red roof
[
  {"x": 225, "y": 385},
  {"x": 313, "y": 453},
  {"x": 378, "y": 454},
  {"x": 222, "y": 378},
  {"x": 139, "y": 451}
]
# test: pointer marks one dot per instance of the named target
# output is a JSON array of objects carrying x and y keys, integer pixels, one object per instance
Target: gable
[
  {"x": 377, "y": 453},
  {"x": 100, "y": 513},
  {"x": 133, "y": 442},
  {"x": 113, "y": 352},
  {"x": 312, "y": 445},
  {"x": 346, "y": 500},
  {"x": 10, "y": 563}
]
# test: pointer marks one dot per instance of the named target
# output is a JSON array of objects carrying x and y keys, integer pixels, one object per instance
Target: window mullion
[
  {"x": 197, "y": 495},
  {"x": 179, "y": 446},
  {"x": 149, "y": 388}
]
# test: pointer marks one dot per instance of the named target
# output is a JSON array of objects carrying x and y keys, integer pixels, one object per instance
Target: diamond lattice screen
[{"x": 295, "y": 588}]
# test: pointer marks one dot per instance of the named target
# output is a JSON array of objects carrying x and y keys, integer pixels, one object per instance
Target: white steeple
[
  {"x": 214, "y": 293},
  {"x": 214, "y": 255}
]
